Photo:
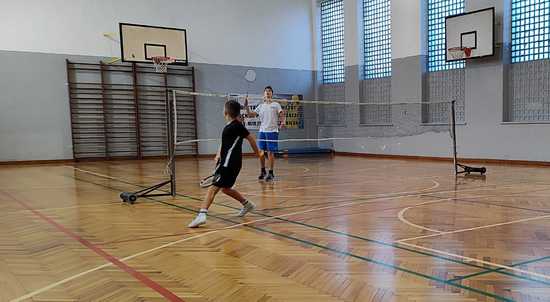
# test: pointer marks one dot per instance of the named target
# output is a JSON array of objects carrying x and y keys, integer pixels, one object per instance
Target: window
[
  {"x": 437, "y": 11},
  {"x": 332, "y": 41},
  {"x": 377, "y": 38},
  {"x": 530, "y": 30}
]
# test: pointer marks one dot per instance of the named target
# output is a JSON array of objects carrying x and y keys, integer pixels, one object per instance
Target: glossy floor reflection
[{"x": 328, "y": 229}]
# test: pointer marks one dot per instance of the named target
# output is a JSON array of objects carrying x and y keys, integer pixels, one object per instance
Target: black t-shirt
[{"x": 232, "y": 145}]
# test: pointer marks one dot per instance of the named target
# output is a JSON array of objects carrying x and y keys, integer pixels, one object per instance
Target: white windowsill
[
  {"x": 376, "y": 125},
  {"x": 526, "y": 123},
  {"x": 442, "y": 124}
]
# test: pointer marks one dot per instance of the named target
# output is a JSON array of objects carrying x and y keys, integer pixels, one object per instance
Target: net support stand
[
  {"x": 458, "y": 167},
  {"x": 132, "y": 197}
]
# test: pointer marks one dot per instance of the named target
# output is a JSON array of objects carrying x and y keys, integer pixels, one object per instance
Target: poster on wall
[{"x": 291, "y": 105}]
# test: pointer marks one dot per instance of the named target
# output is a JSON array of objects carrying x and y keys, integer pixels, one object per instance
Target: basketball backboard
[
  {"x": 474, "y": 30},
  {"x": 139, "y": 43}
]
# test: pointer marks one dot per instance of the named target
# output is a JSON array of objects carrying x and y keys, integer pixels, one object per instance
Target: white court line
[
  {"x": 401, "y": 214},
  {"x": 469, "y": 259},
  {"x": 381, "y": 195},
  {"x": 475, "y": 189},
  {"x": 441, "y": 233},
  {"x": 53, "y": 285},
  {"x": 93, "y": 173},
  {"x": 284, "y": 174},
  {"x": 267, "y": 219},
  {"x": 354, "y": 196},
  {"x": 402, "y": 218},
  {"x": 256, "y": 193},
  {"x": 475, "y": 228},
  {"x": 61, "y": 282},
  {"x": 376, "y": 196}
]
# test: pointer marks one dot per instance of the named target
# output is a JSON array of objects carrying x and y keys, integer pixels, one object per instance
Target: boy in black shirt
[{"x": 229, "y": 158}]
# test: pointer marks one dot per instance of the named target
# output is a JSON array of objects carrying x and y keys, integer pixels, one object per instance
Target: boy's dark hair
[
  {"x": 268, "y": 88},
  {"x": 233, "y": 108}
]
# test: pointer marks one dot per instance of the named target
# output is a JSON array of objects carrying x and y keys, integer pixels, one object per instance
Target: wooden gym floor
[{"x": 329, "y": 229}]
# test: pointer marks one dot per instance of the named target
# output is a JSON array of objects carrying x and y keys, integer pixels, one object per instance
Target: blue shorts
[{"x": 268, "y": 146}]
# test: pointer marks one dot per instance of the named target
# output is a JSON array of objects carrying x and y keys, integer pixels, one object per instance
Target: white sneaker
[
  {"x": 247, "y": 208},
  {"x": 198, "y": 221}
]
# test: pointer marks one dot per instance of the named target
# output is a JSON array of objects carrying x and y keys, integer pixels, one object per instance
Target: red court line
[{"x": 170, "y": 296}]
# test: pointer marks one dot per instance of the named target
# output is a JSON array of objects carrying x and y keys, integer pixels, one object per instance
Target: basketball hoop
[
  {"x": 459, "y": 53},
  {"x": 161, "y": 63}
]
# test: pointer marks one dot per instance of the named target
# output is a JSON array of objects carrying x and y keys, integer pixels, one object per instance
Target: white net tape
[{"x": 225, "y": 96}]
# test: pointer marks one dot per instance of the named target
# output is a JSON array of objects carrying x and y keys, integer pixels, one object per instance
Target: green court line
[
  {"x": 346, "y": 253},
  {"x": 349, "y": 235},
  {"x": 501, "y": 271},
  {"x": 424, "y": 194},
  {"x": 497, "y": 270},
  {"x": 353, "y": 236},
  {"x": 506, "y": 206}
]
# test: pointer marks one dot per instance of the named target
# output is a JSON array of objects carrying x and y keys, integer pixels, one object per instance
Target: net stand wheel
[
  {"x": 159, "y": 189},
  {"x": 128, "y": 197},
  {"x": 468, "y": 170},
  {"x": 132, "y": 197}
]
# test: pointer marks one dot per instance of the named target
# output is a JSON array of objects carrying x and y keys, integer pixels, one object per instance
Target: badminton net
[{"x": 317, "y": 126}]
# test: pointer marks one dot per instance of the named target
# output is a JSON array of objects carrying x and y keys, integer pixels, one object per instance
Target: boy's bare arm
[
  {"x": 282, "y": 118},
  {"x": 218, "y": 154},
  {"x": 253, "y": 144},
  {"x": 249, "y": 113}
]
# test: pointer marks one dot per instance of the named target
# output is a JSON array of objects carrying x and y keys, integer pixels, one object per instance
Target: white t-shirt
[{"x": 269, "y": 116}]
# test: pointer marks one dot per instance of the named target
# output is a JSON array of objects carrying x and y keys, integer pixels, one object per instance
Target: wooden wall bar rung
[{"x": 118, "y": 111}]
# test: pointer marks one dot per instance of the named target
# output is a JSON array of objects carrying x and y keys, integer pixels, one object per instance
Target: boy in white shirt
[{"x": 272, "y": 117}]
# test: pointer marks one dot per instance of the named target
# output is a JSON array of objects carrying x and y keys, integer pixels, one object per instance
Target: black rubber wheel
[
  {"x": 132, "y": 198},
  {"x": 124, "y": 196}
]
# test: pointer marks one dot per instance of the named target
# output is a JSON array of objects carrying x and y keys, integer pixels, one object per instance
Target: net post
[
  {"x": 148, "y": 192},
  {"x": 453, "y": 130},
  {"x": 171, "y": 134}
]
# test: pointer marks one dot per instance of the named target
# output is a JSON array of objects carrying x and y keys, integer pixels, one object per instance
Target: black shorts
[{"x": 228, "y": 177}]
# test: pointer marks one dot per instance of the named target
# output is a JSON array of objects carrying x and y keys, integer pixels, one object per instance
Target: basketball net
[
  {"x": 161, "y": 63},
  {"x": 458, "y": 53}
]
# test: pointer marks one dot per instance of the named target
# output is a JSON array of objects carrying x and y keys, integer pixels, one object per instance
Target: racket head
[
  {"x": 212, "y": 179},
  {"x": 207, "y": 181}
]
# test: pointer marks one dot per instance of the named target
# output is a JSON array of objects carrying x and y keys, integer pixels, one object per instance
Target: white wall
[
  {"x": 225, "y": 35},
  {"x": 353, "y": 31},
  {"x": 260, "y": 33},
  {"x": 408, "y": 28},
  {"x": 484, "y": 135}
]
